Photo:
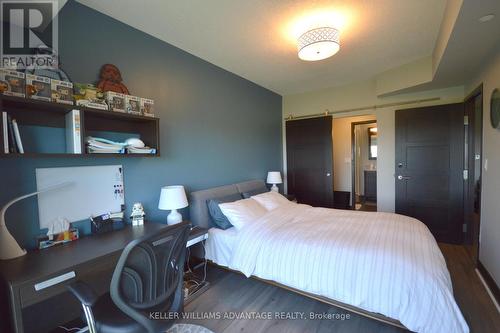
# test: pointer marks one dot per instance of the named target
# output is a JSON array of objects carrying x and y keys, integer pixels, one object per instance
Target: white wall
[
  {"x": 361, "y": 95},
  {"x": 489, "y": 249}
]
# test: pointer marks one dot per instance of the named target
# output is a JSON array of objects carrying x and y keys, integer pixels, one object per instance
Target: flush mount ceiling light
[{"x": 318, "y": 44}]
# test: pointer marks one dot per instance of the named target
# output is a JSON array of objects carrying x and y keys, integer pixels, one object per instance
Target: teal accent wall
[{"x": 216, "y": 127}]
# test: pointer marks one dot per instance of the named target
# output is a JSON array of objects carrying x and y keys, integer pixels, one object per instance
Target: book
[
  {"x": 99, "y": 144},
  {"x": 12, "y": 139},
  {"x": 73, "y": 132},
  {"x": 17, "y": 137},
  {"x": 5, "y": 131},
  {"x": 144, "y": 150},
  {"x": 93, "y": 140},
  {"x": 94, "y": 150}
]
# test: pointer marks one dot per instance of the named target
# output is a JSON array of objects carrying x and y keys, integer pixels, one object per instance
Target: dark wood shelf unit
[
  {"x": 66, "y": 155},
  {"x": 29, "y": 112}
]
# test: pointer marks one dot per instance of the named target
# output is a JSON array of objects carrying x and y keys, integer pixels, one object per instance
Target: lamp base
[
  {"x": 275, "y": 188},
  {"x": 9, "y": 249},
  {"x": 174, "y": 217}
]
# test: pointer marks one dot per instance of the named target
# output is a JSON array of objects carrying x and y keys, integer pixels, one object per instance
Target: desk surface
[
  {"x": 91, "y": 259},
  {"x": 48, "y": 261}
]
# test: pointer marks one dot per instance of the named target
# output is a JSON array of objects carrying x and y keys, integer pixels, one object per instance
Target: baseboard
[{"x": 490, "y": 284}]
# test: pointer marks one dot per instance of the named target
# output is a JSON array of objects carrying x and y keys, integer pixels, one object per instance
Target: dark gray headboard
[{"x": 198, "y": 210}]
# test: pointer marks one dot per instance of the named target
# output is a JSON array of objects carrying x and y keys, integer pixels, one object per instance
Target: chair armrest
[{"x": 83, "y": 292}]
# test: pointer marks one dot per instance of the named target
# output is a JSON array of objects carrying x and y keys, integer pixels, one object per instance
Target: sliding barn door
[
  {"x": 310, "y": 161},
  {"x": 429, "y": 168}
]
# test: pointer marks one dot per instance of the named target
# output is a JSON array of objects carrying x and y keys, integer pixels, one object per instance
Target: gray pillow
[
  {"x": 260, "y": 190},
  {"x": 219, "y": 219}
]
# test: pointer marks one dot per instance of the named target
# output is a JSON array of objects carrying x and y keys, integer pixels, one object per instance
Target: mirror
[
  {"x": 372, "y": 143},
  {"x": 495, "y": 109}
]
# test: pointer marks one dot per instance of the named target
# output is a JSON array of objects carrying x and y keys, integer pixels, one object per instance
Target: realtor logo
[{"x": 28, "y": 34}]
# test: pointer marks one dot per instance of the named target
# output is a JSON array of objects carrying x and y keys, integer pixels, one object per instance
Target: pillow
[
  {"x": 271, "y": 200},
  {"x": 242, "y": 212},
  {"x": 260, "y": 190},
  {"x": 219, "y": 219}
]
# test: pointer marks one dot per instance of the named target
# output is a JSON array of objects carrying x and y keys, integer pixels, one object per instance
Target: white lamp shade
[
  {"x": 172, "y": 197},
  {"x": 274, "y": 177}
]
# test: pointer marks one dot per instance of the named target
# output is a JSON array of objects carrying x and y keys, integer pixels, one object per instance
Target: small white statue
[{"x": 138, "y": 214}]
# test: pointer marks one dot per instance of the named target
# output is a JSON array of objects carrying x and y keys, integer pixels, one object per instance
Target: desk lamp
[{"x": 9, "y": 248}]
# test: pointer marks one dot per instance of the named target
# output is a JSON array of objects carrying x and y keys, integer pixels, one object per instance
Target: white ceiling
[
  {"x": 470, "y": 44},
  {"x": 256, "y": 39}
]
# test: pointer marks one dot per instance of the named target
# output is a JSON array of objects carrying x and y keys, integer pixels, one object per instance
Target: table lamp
[
  {"x": 173, "y": 198},
  {"x": 274, "y": 177}
]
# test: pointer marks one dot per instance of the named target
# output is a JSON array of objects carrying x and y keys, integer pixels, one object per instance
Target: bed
[{"x": 381, "y": 265}]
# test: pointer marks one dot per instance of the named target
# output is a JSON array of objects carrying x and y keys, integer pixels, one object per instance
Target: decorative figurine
[
  {"x": 133, "y": 104},
  {"x": 62, "y": 91},
  {"x": 147, "y": 106},
  {"x": 12, "y": 83},
  {"x": 138, "y": 214},
  {"x": 110, "y": 79},
  {"x": 38, "y": 87},
  {"x": 90, "y": 96},
  {"x": 116, "y": 101}
]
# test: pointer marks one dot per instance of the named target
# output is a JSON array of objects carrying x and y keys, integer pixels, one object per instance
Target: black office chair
[{"x": 146, "y": 292}]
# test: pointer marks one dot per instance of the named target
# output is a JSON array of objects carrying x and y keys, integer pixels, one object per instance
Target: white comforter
[{"x": 381, "y": 262}]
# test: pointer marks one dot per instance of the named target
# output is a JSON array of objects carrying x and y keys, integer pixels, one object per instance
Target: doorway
[
  {"x": 364, "y": 151},
  {"x": 345, "y": 178},
  {"x": 473, "y": 106}
]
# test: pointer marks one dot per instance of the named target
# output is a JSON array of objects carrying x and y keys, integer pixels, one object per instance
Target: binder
[
  {"x": 12, "y": 139},
  {"x": 5, "y": 132},
  {"x": 17, "y": 137},
  {"x": 73, "y": 132}
]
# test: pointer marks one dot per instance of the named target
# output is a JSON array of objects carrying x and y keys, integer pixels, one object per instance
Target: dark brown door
[
  {"x": 309, "y": 160},
  {"x": 474, "y": 111},
  {"x": 429, "y": 168}
]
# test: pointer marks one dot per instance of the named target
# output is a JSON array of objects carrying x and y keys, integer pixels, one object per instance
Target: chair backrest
[{"x": 147, "y": 283}]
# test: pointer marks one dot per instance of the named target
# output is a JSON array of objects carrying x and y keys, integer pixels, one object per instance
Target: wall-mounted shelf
[{"x": 42, "y": 126}]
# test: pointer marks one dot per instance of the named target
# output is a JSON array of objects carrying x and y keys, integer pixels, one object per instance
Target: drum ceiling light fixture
[{"x": 319, "y": 43}]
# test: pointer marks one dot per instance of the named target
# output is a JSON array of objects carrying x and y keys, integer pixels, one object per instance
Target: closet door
[{"x": 310, "y": 160}]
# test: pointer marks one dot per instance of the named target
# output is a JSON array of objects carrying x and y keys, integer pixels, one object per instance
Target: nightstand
[
  {"x": 196, "y": 235},
  {"x": 194, "y": 285}
]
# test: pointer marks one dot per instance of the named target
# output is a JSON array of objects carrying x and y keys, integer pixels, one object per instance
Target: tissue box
[
  {"x": 11, "y": 83},
  {"x": 133, "y": 104},
  {"x": 62, "y": 91},
  {"x": 45, "y": 241},
  {"x": 116, "y": 101},
  {"x": 38, "y": 87},
  {"x": 147, "y": 107}
]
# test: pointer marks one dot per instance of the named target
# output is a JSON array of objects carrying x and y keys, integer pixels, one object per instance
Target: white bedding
[
  {"x": 381, "y": 262},
  {"x": 219, "y": 245}
]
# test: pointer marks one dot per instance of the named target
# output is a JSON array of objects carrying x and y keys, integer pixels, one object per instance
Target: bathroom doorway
[{"x": 364, "y": 137}]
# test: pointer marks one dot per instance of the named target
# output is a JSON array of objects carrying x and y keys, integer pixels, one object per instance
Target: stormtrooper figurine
[{"x": 138, "y": 214}]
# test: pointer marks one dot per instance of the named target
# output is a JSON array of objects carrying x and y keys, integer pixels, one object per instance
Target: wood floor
[{"x": 233, "y": 294}]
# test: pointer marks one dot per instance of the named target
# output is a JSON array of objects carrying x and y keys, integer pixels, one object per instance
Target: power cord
[
  {"x": 189, "y": 259},
  {"x": 195, "y": 285},
  {"x": 71, "y": 329},
  {"x": 205, "y": 263}
]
